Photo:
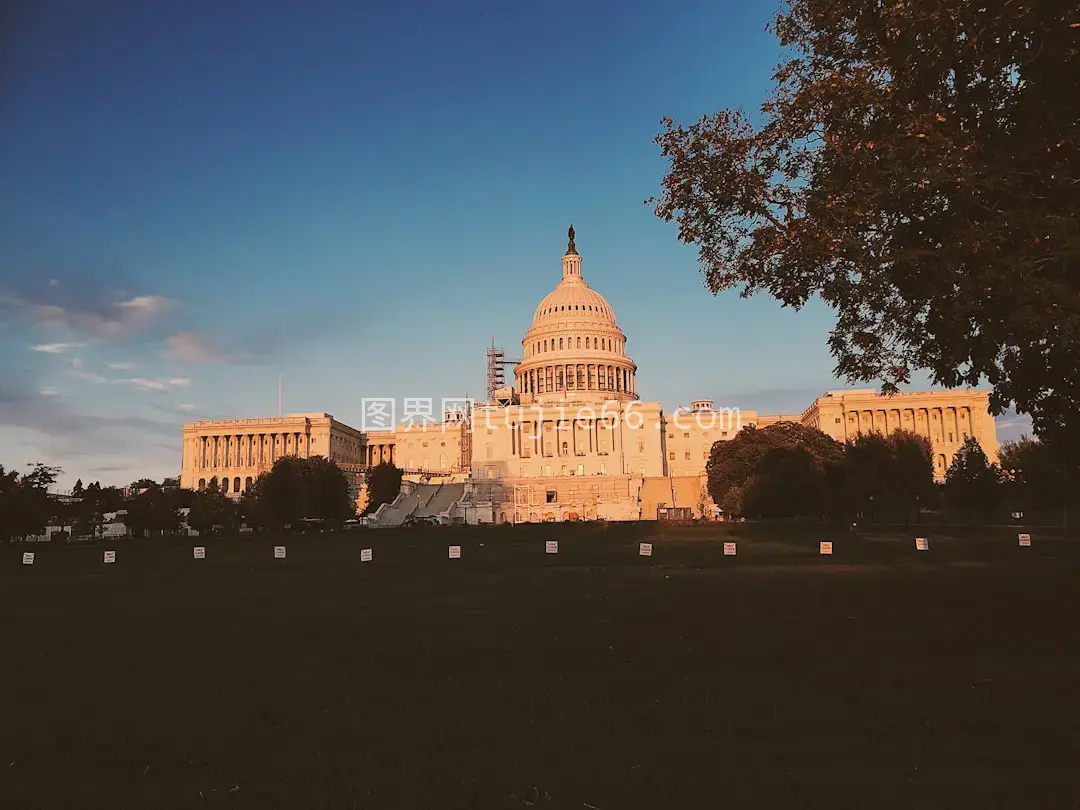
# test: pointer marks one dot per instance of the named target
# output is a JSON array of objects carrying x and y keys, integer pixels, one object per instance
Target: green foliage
[
  {"x": 25, "y": 507},
  {"x": 383, "y": 485},
  {"x": 891, "y": 474},
  {"x": 912, "y": 471},
  {"x": 737, "y": 477},
  {"x": 210, "y": 509},
  {"x": 917, "y": 169},
  {"x": 298, "y": 488},
  {"x": 972, "y": 483},
  {"x": 1041, "y": 477},
  {"x": 152, "y": 512},
  {"x": 788, "y": 483},
  {"x": 788, "y": 470}
]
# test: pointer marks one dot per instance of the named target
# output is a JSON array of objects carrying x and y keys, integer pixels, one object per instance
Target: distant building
[{"x": 238, "y": 451}]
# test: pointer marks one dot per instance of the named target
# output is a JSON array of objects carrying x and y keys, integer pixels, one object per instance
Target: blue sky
[{"x": 198, "y": 194}]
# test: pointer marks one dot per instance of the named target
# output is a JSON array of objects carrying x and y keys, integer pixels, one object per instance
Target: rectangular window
[
  {"x": 686, "y": 456},
  {"x": 671, "y": 456},
  {"x": 950, "y": 437},
  {"x": 551, "y": 496},
  {"x": 686, "y": 435},
  {"x": 838, "y": 420}
]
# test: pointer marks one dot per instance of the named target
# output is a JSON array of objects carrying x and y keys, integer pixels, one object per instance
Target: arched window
[
  {"x": 560, "y": 343},
  {"x": 586, "y": 343},
  {"x": 225, "y": 485},
  {"x": 247, "y": 483},
  {"x": 579, "y": 343},
  {"x": 202, "y": 483},
  {"x": 236, "y": 484},
  {"x": 565, "y": 449}
]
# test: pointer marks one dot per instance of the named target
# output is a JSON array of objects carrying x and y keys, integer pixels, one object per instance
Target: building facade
[
  {"x": 572, "y": 437},
  {"x": 237, "y": 451}
]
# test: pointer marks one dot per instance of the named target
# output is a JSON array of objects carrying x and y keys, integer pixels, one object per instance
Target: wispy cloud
[
  {"x": 187, "y": 406},
  {"x": 80, "y": 304},
  {"x": 49, "y": 392},
  {"x": 121, "y": 366},
  {"x": 156, "y": 385},
  {"x": 57, "y": 348},
  {"x": 193, "y": 347}
]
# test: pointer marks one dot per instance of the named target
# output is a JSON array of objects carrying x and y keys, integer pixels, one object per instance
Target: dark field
[{"x": 877, "y": 678}]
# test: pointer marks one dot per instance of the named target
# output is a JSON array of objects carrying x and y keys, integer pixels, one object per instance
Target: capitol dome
[{"x": 575, "y": 350}]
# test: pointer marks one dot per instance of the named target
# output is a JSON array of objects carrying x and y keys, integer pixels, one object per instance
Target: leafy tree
[
  {"x": 917, "y": 169},
  {"x": 298, "y": 488},
  {"x": 77, "y": 490},
  {"x": 972, "y": 483},
  {"x": 888, "y": 474},
  {"x": 912, "y": 479},
  {"x": 282, "y": 493},
  {"x": 1039, "y": 477},
  {"x": 326, "y": 491},
  {"x": 788, "y": 483},
  {"x": 25, "y": 506},
  {"x": 868, "y": 462},
  {"x": 383, "y": 485},
  {"x": 736, "y": 463},
  {"x": 211, "y": 508},
  {"x": 152, "y": 512}
]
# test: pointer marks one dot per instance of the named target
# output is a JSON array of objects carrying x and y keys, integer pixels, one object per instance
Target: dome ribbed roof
[{"x": 572, "y": 299}]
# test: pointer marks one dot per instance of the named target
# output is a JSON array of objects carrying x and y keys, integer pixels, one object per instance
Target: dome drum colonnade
[{"x": 575, "y": 349}]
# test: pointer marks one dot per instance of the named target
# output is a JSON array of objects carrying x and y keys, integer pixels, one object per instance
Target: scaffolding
[{"x": 496, "y": 373}]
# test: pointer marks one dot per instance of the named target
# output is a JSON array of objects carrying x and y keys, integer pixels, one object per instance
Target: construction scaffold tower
[{"x": 496, "y": 374}]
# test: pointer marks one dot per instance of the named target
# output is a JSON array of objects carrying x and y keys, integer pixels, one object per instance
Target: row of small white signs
[{"x": 550, "y": 547}]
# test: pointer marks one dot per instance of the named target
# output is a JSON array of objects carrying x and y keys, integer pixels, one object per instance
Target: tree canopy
[
  {"x": 298, "y": 488},
  {"x": 25, "y": 507},
  {"x": 748, "y": 474},
  {"x": 916, "y": 169},
  {"x": 383, "y": 485},
  {"x": 790, "y": 470},
  {"x": 972, "y": 482}
]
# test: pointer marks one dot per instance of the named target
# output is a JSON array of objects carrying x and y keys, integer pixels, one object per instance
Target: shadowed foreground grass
[{"x": 879, "y": 677}]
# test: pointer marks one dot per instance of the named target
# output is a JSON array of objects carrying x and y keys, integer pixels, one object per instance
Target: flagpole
[{"x": 281, "y": 373}]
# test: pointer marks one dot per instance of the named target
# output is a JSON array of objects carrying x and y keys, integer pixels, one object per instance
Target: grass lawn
[{"x": 880, "y": 677}]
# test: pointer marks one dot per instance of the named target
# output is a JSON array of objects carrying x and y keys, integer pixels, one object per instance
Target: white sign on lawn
[
  {"x": 645, "y": 549},
  {"x": 455, "y": 552},
  {"x": 1025, "y": 539},
  {"x": 825, "y": 547},
  {"x": 110, "y": 556},
  {"x": 551, "y": 547},
  {"x": 365, "y": 555},
  {"x": 279, "y": 552},
  {"x": 199, "y": 552},
  {"x": 729, "y": 549},
  {"x": 922, "y": 544},
  {"x": 28, "y": 558}
]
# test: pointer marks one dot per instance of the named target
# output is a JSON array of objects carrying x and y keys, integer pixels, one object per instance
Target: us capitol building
[{"x": 571, "y": 439}]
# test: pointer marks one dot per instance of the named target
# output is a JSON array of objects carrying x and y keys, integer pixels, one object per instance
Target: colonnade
[
  {"x": 241, "y": 450},
  {"x": 576, "y": 377},
  {"x": 378, "y": 453},
  {"x": 941, "y": 425}
]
